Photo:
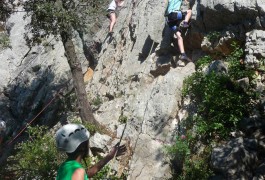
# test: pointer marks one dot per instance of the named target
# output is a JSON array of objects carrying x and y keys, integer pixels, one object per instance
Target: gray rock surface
[
  {"x": 236, "y": 159},
  {"x": 255, "y": 48},
  {"x": 132, "y": 83},
  {"x": 29, "y": 77},
  {"x": 137, "y": 76}
]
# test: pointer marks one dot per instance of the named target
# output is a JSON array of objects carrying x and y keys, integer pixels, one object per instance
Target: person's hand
[{"x": 118, "y": 150}]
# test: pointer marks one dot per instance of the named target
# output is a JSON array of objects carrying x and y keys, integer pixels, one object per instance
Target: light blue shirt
[{"x": 173, "y": 6}]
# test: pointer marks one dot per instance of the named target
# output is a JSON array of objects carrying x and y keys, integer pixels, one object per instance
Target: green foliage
[
  {"x": 212, "y": 36},
  {"x": 221, "y": 103},
  {"x": 194, "y": 169},
  {"x": 202, "y": 62},
  {"x": 4, "y": 40},
  {"x": 97, "y": 101},
  {"x": 262, "y": 64},
  {"x": 237, "y": 69},
  {"x": 49, "y": 17},
  {"x": 36, "y": 158},
  {"x": 187, "y": 166},
  {"x": 123, "y": 119},
  {"x": 180, "y": 150}
]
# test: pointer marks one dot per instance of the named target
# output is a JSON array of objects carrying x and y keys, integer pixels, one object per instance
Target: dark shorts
[
  {"x": 109, "y": 11},
  {"x": 174, "y": 20}
]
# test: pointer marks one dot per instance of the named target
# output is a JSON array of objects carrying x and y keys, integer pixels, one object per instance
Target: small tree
[{"x": 61, "y": 18}]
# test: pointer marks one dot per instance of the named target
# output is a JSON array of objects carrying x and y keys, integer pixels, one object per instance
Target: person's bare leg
[
  {"x": 112, "y": 21},
  {"x": 180, "y": 42},
  {"x": 188, "y": 16}
]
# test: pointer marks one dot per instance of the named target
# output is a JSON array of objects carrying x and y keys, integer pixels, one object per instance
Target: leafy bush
[
  {"x": 203, "y": 61},
  {"x": 221, "y": 103},
  {"x": 36, "y": 158},
  {"x": 212, "y": 36},
  {"x": 187, "y": 166},
  {"x": 237, "y": 69},
  {"x": 179, "y": 150},
  {"x": 195, "y": 169}
]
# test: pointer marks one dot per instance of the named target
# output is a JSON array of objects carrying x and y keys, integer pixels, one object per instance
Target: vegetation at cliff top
[{"x": 221, "y": 103}]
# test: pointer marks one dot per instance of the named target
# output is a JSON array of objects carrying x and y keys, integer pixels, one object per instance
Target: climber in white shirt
[{"x": 111, "y": 13}]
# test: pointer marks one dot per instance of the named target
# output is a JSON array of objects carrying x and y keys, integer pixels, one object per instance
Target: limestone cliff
[{"x": 136, "y": 74}]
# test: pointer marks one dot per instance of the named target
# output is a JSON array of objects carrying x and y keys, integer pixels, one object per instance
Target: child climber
[
  {"x": 111, "y": 13},
  {"x": 175, "y": 17},
  {"x": 73, "y": 139}
]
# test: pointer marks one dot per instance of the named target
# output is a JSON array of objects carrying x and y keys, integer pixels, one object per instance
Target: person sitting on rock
[
  {"x": 111, "y": 13},
  {"x": 178, "y": 17},
  {"x": 73, "y": 140}
]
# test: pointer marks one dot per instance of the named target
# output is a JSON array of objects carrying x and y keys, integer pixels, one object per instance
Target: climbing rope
[
  {"x": 32, "y": 120},
  {"x": 115, "y": 56}
]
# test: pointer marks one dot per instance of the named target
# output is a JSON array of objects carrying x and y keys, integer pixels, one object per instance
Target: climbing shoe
[{"x": 184, "y": 57}]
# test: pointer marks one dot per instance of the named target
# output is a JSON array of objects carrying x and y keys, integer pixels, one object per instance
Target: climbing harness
[{"x": 175, "y": 21}]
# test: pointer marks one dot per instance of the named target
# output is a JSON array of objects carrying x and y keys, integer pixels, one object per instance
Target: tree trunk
[{"x": 85, "y": 109}]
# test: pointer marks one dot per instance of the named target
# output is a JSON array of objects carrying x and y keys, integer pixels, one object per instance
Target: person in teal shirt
[
  {"x": 73, "y": 139},
  {"x": 178, "y": 14}
]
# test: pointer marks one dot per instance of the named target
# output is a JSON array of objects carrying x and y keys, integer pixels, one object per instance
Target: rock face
[
  {"x": 136, "y": 79},
  {"x": 30, "y": 77},
  {"x": 137, "y": 74},
  {"x": 237, "y": 159},
  {"x": 255, "y": 44}
]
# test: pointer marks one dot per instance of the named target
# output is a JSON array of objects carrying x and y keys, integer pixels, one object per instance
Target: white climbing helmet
[
  {"x": 70, "y": 136},
  {"x": 2, "y": 126}
]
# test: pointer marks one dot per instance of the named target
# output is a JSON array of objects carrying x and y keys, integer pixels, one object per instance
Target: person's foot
[
  {"x": 185, "y": 24},
  {"x": 184, "y": 57},
  {"x": 111, "y": 33}
]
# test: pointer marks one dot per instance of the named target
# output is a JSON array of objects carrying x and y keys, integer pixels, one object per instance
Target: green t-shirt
[{"x": 67, "y": 169}]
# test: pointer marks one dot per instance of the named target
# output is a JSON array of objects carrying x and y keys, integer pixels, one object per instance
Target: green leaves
[
  {"x": 50, "y": 18},
  {"x": 37, "y": 157},
  {"x": 222, "y": 103},
  {"x": 180, "y": 150},
  {"x": 202, "y": 62},
  {"x": 4, "y": 40}
]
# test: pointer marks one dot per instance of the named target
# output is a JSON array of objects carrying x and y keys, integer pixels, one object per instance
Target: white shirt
[{"x": 112, "y": 5}]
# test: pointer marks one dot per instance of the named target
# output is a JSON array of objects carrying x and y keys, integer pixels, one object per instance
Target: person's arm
[
  {"x": 78, "y": 174},
  {"x": 118, "y": 150}
]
